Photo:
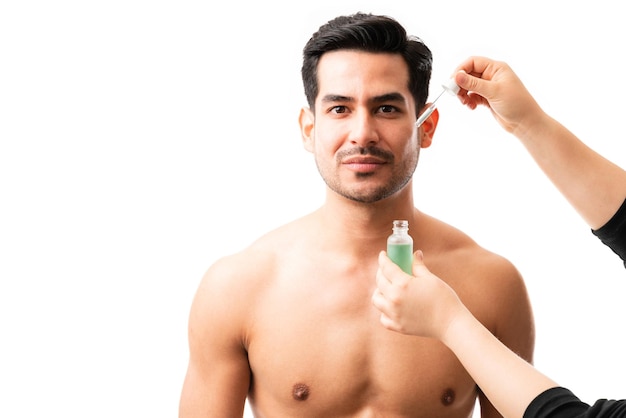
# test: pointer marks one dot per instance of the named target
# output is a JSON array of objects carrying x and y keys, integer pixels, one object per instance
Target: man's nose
[{"x": 363, "y": 130}]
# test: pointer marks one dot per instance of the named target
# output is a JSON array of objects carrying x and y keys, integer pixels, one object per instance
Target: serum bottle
[{"x": 400, "y": 246}]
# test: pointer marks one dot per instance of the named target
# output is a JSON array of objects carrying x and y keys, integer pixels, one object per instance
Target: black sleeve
[
  {"x": 556, "y": 402},
  {"x": 613, "y": 233},
  {"x": 562, "y": 403}
]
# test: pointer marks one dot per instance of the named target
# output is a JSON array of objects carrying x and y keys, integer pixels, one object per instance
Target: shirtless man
[{"x": 288, "y": 322}]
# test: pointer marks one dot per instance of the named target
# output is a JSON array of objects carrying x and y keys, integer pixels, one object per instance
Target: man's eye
[
  {"x": 338, "y": 109},
  {"x": 387, "y": 109}
]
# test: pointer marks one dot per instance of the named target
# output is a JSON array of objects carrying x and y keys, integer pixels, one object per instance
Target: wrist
[
  {"x": 459, "y": 327},
  {"x": 535, "y": 124}
]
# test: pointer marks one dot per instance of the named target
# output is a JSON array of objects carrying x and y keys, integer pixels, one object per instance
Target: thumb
[
  {"x": 470, "y": 83},
  {"x": 418, "y": 260}
]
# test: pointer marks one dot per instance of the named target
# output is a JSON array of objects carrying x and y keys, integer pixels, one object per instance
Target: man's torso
[{"x": 316, "y": 348}]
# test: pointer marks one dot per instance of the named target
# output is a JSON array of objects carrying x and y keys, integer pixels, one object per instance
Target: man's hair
[{"x": 369, "y": 33}]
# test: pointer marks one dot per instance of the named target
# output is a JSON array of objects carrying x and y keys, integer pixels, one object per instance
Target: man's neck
[{"x": 364, "y": 227}]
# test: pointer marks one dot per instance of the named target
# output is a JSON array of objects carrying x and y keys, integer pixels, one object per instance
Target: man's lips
[
  {"x": 363, "y": 160},
  {"x": 363, "y": 163}
]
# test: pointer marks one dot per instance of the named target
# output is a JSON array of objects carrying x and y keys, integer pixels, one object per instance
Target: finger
[
  {"x": 380, "y": 302},
  {"x": 418, "y": 260},
  {"x": 470, "y": 87},
  {"x": 382, "y": 282},
  {"x": 419, "y": 268},
  {"x": 475, "y": 65},
  {"x": 387, "y": 267},
  {"x": 388, "y": 322},
  {"x": 471, "y": 83},
  {"x": 377, "y": 298}
]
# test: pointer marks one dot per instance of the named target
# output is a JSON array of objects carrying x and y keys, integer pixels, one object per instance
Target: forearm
[
  {"x": 593, "y": 185},
  {"x": 508, "y": 381}
]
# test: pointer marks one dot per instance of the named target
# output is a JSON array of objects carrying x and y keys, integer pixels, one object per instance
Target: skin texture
[{"x": 288, "y": 322}]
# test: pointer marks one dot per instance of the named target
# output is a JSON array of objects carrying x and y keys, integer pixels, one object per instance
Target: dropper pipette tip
[{"x": 450, "y": 87}]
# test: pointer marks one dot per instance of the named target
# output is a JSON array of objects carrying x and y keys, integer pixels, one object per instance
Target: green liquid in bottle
[{"x": 402, "y": 255}]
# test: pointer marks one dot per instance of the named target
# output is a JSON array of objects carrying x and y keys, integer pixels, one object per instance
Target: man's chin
[{"x": 367, "y": 196}]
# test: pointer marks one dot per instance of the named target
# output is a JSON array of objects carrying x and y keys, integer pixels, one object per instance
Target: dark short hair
[{"x": 370, "y": 33}]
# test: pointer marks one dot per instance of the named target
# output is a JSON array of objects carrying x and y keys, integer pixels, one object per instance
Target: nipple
[
  {"x": 448, "y": 397},
  {"x": 300, "y": 392}
]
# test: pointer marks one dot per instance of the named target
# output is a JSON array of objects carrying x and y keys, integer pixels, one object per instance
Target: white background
[{"x": 141, "y": 140}]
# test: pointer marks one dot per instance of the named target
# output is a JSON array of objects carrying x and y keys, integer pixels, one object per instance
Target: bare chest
[{"x": 321, "y": 351}]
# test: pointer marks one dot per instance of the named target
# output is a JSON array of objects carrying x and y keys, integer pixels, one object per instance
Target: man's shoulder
[
  {"x": 492, "y": 288},
  {"x": 257, "y": 260},
  {"x": 233, "y": 270},
  {"x": 449, "y": 238},
  {"x": 486, "y": 263},
  {"x": 464, "y": 258}
]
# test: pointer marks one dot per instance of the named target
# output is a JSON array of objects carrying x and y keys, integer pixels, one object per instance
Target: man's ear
[
  {"x": 428, "y": 129},
  {"x": 307, "y": 126}
]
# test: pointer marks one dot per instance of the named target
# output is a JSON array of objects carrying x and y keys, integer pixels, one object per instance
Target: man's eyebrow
[
  {"x": 388, "y": 97},
  {"x": 330, "y": 98}
]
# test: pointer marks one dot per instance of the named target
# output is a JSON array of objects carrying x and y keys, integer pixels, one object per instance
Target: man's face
[{"x": 363, "y": 133}]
